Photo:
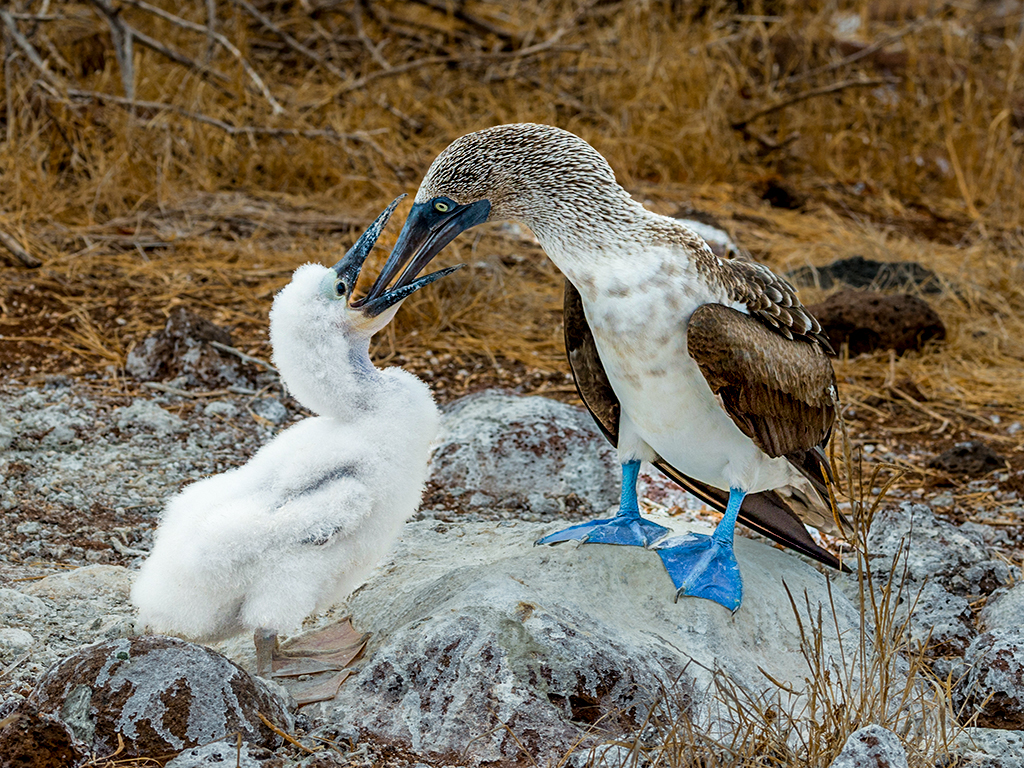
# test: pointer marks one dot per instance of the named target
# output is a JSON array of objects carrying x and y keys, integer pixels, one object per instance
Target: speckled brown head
[{"x": 547, "y": 178}]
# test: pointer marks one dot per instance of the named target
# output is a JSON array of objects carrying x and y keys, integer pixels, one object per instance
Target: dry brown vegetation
[{"x": 231, "y": 140}]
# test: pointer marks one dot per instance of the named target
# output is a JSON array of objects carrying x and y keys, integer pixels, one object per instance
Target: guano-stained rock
[{"x": 160, "y": 694}]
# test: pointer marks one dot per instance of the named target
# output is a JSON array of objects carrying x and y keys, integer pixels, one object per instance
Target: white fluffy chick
[{"x": 303, "y": 523}]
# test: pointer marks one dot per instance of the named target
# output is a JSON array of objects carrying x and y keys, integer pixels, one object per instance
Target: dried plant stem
[
  {"x": 29, "y": 50},
  {"x": 811, "y": 94},
  {"x": 18, "y": 250},
  {"x": 291, "y": 41}
]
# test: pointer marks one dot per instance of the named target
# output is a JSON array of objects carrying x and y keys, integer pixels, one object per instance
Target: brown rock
[
  {"x": 160, "y": 695},
  {"x": 29, "y": 739},
  {"x": 866, "y": 321},
  {"x": 971, "y": 459},
  {"x": 182, "y": 348}
]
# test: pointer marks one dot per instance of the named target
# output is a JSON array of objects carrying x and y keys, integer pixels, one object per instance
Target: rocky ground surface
[{"x": 484, "y": 649}]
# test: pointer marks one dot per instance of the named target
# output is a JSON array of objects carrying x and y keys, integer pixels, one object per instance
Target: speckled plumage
[{"x": 698, "y": 403}]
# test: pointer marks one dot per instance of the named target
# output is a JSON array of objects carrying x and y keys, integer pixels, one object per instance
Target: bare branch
[
  {"x": 221, "y": 40},
  {"x": 811, "y": 93},
  {"x": 18, "y": 250},
  {"x": 122, "y": 36},
  {"x": 291, "y": 41},
  {"x": 30, "y": 52}
]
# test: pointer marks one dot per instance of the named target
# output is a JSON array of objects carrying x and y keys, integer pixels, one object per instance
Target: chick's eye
[
  {"x": 340, "y": 287},
  {"x": 442, "y": 207}
]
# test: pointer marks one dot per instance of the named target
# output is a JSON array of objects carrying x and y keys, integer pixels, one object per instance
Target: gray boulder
[
  {"x": 871, "y": 747},
  {"x": 160, "y": 695},
  {"x": 911, "y": 537},
  {"x": 992, "y": 690},
  {"x": 504, "y": 452},
  {"x": 990, "y": 748},
  {"x": 485, "y": 646},
  {"x": 1004, "y": 610}
]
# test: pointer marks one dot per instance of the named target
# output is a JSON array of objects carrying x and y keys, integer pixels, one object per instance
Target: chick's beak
[
  {"x": 425, "y": 234},
  {"x": 351, "y": 263}
]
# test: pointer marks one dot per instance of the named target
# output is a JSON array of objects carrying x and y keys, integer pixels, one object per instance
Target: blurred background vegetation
[{"x": 156, "y": 153}]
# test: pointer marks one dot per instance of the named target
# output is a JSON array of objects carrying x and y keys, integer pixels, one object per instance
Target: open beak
[
  {"x": 425, "y": 234},
  {"x": 348, "y": 269}
]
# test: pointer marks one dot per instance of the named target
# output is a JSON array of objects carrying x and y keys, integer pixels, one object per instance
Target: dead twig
[
  {"x": 18, "y": 250},
  {"x": 30, "y": 52},
  {"x": 122, "y": 37},
  {"x": 226, "y": 44},
  {"x": 811, "y": 94},
  {"x": 291, "y": 41}
]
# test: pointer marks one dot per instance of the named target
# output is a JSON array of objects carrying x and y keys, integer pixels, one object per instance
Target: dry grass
[{"x": 204, "y": 173}]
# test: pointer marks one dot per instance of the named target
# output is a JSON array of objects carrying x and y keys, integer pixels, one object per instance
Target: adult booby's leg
[
  {"x": 627, "y": 527},
  {"x": 705, "y": 566}
]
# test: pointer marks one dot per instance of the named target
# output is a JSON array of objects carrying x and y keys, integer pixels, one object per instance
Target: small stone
[
  {"x": 271, "y": 409},
  {"x": 13, "y": 642},
  {"x": 939, "y": 621},
  {"x": 866, "y": 321},
  {"x": 158, "y": 694},
  {"x": 219, "y": 754},
  {"x": 871, "y": 747},
  {"x": 993, "y": 688},
  {"x": 971, "y": 459},
  {"x": 221, "y": 408}
]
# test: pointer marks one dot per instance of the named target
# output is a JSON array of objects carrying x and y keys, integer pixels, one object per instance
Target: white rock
[
  {"x": 14, "y": 641},
  {"x": 1004, "y": 610},
  {"x": 507, "y": 452},
  {"x": 872, "y": 747},
  {"x": 16, "y": 606},
  {"x": 990, "y": 748},
  {"x": 474, "y": 627},
  {"x": 107, "y": 585},
  {"x": 147, "y": 415}
]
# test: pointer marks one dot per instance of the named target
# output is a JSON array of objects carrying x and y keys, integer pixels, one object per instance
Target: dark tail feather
[{"x": 765, "y": 512}]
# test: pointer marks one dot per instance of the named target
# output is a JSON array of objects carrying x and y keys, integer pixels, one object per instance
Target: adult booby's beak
[
  {"x": 425, "y": 233},
  {"x": 348, "y": 269}
]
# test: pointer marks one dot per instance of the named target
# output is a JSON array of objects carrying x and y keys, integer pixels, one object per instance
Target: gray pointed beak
[
  {"x": 351, "y": 263},
  {"x": 425, "y": 234}
]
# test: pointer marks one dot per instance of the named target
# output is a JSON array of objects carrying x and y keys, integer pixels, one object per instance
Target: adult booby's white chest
[{"x": 711, "y": 369}]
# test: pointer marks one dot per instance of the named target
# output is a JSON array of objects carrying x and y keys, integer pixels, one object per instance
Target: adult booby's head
[
  {"x": 540, "y": 175},
  {"x": 321, "y": 335}
]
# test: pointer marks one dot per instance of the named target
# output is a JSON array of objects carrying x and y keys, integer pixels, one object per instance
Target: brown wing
[
  {"x": 778, "y": 391},
  {"x": 772, "y": 300},
  {"x": 766, "y": 512}
]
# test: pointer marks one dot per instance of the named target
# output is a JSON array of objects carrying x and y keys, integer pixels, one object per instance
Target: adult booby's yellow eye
[{"x": 442, "y": 207}]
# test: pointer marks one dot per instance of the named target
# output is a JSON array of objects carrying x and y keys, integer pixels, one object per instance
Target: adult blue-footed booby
[
  {"x": 303, "y": 523},
  {"x": 710, "y": 369}
]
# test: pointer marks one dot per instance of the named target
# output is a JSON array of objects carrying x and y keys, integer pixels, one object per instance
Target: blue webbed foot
[
  {"x": 702, "y": 566},
  {"x": 625, "y": 529}
]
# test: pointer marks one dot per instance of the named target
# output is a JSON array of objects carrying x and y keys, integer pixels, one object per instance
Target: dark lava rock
[
  {"x": 871, "y": 747},
  {"x": 182, "y": 349},
  {"x": 778, "y": 194},
  {"x": 970, "y": 459},
  {"x": 993, "y": 688},
  {"x": 858, "y": 272},
  {"x": 29, "y": 739},
  {"x": 867, "y": 321},
  {"x": 160, "y": 694}
]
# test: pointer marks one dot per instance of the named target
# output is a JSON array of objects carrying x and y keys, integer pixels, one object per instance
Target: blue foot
[
  {"x": 626, "y": 528},
  {"x": 705, "y": 566},
  {"x": 700, "y": 566}
]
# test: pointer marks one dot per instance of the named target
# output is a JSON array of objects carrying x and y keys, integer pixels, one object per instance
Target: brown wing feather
[
  {"x": 765, "y": 512},
  {"x": 778, "y": 391}
]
